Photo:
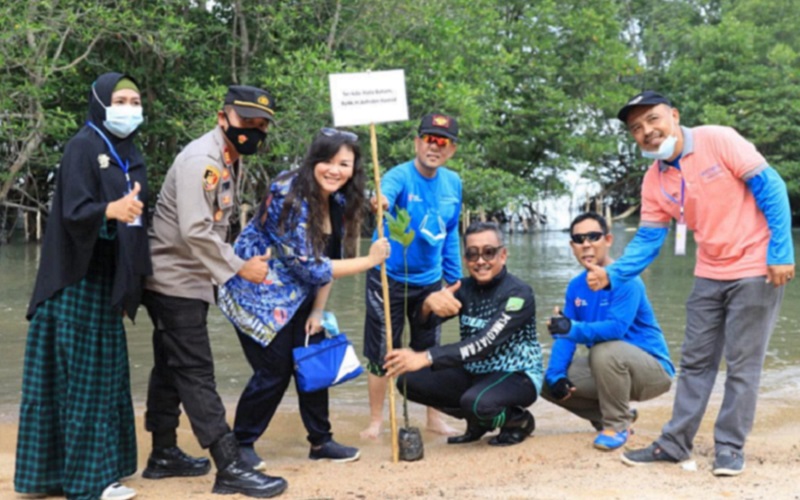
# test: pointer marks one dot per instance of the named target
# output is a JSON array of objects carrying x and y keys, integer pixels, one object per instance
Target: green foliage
[
  {"x": 399, "y": 232},
  {"x": 734, "y": 63},
  {"x": 398, "y": 227},
  {"x": 535, "y": 85}
]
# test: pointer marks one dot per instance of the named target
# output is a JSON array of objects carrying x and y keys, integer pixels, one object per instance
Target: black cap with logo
[
  {"x": 439, "y": 124},
  {"x": 251, "y": 102},
  {"x": 646, "y": 98}
]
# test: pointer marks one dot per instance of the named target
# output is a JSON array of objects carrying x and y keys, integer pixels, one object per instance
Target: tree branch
[
  {"x": 81, "y": 57},
  {"x": 236, "y": 13},
  {"x": 30, "y": 197},
  {"x": 245, "y": 43},
  {"x": 19, "y": 207},
  {"x": 31, "y": 143},
  {"x": 60, "y": 47},
  {"x": 334, "y": 25}
]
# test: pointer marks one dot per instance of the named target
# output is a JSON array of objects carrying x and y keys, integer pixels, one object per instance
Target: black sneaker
[
  {"x": 646, "y": 456},
  {"x": 515, "y": 432},
  {"x": 473, "y": 433},
  {"x": 237, "y": 477},
  {"x": 173, "y": 462},
  {"x": 334, "y": 452},
  {"x": 728, "y": 463},
  {"x": 249, "y": 456}
]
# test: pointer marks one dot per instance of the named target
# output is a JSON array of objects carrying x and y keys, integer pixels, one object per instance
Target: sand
[{"x": 558, "y": 461}]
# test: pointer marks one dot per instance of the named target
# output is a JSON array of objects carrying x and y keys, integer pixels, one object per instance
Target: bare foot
[
  {"x": 439, "y": 426},
  {"x": 372, "y": 432}
]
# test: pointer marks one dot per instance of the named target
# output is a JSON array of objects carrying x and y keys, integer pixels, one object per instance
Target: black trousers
[
  {"x": 489, "y": 400},
  {"x": 375, "y": 324},
  {"x": 273, "y": 367},
  {"x": 183, "y": 371}
]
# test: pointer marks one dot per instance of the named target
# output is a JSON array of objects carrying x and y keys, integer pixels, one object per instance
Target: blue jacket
[
  {"x": 261, "y": 310},
  {"x": 622, "y": 313},
  {"x": 434, "y": 206}
]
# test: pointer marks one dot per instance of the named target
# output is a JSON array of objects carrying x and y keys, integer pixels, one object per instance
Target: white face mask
[
  {"x": 665, "y": 150},
  {"x": 121, "y": 120}
]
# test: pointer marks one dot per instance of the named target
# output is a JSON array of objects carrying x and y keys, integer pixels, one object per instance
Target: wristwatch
[{"x": 429, "y": 357}]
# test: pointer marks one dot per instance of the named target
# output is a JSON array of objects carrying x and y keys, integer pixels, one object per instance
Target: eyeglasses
[
  {"x": 332, "y": 132},
  {"x": 440, "y": 141},
  {"x": 581, "y": 238},
  {"x": 488, "y": 253}
]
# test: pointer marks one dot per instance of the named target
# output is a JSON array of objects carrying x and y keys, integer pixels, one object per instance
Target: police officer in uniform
[{"x": 191, "y": 255}]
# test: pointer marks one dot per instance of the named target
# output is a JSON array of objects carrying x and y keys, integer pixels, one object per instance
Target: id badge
[{"x": 680, "y": 238}]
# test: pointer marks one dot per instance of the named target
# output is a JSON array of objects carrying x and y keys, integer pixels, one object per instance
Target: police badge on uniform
[{"x": 210, "y": 178}]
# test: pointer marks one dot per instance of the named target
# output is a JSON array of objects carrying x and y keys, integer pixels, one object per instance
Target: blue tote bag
[{"x": 328, "y": 363}]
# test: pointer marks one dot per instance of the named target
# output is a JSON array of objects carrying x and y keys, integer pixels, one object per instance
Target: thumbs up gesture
[
  {"x": 127, "y": 208},
  {"x": 255, "y": 269},
  {"x": 452, "y": 289},
  {"x": 444, "y": 303},
  {"x": 596, "y": 277}
]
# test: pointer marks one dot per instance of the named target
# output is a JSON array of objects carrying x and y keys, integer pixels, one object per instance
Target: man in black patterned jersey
[{"x": 495, "y": 371}]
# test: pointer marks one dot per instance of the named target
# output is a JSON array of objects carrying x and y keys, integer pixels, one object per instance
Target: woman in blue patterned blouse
[{"x": 309, "y": 222}]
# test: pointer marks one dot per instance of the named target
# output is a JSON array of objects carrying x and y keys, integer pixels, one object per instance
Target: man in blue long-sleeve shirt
[
  {"x": 431, "y": 193},
  {"x": 628, "y": 357},
  {"x": 714, "y": 182}
]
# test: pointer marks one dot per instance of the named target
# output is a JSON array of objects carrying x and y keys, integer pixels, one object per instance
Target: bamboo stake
[{"x": 385, "y": 285}]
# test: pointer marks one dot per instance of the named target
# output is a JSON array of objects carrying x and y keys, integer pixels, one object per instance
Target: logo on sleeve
[
  {"x": 210, "y": 178},
  {"x": 514, "y": 304}
]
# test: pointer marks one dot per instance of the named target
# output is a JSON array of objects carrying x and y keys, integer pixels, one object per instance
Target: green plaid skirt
[{"x": 76, "y": 425}]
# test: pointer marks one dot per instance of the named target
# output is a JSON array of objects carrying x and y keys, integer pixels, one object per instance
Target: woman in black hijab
[{"x": 76, "y": 430}]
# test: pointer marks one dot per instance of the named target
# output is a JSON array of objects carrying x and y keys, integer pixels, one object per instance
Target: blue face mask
[{"x": 121, "y": 120}]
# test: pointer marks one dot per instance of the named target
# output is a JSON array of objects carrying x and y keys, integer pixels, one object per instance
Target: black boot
[
  {"x": 474, "y": 432},
  {"x": 235, "y": 476},
  {"x": 515, "y": 431},
  {"x": 173, "y": 462}
]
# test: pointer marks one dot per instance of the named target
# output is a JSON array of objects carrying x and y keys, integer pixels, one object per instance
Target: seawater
[{"x": 543, "y": 259}]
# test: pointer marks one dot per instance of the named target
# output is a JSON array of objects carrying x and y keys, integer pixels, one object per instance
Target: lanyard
[
  {"x": 683, "y": 189},
  {"x": 122, "y": 165}
]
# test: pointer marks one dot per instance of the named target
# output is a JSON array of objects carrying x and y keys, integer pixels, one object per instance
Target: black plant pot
[{"x": 410, "y": 440}]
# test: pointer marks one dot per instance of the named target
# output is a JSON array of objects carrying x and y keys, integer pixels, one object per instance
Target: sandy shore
[{"x": 557, "y": 462}]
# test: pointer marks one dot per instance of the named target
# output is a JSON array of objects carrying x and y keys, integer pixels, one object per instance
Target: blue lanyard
[
  {"x": 122, "y": 165},
  {"x": 683, "y": 188}
]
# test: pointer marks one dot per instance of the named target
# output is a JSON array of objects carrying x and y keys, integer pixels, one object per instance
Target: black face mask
[{"x": 245, "y": 140}]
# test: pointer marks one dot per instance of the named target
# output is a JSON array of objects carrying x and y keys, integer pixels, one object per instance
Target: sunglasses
[
  {"x": 488, "y": 253},
  {"x": 581, "y": 238},
  {"x": 440, "y": 141},
  {"x": 332, "y": 132}
]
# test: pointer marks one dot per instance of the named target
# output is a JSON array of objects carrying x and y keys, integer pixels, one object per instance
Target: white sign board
[{"x": 372, "y": 97}]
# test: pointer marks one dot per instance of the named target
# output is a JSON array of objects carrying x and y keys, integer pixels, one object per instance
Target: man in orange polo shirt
[{"x": 714, "y": 182}]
